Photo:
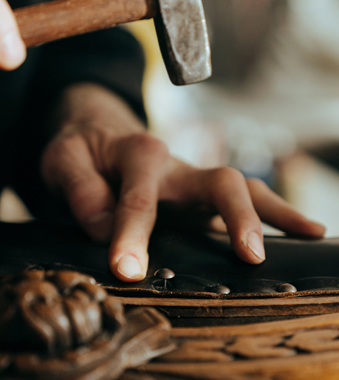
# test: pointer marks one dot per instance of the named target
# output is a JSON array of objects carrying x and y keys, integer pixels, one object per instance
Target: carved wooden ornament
[
  {"x": 62, "y": 325},
  {"x": 299, "y": 349}
]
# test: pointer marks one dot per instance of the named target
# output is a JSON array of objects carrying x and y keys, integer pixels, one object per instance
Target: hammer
[{"x": 180, "y": 24}]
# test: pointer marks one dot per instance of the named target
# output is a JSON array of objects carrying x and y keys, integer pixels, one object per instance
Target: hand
[
  {"x": 114, "y": 174},
  {"x": 12, "y": 48}
]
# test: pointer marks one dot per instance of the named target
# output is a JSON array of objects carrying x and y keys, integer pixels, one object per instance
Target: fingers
[
  {"x": 227, "y": 190},
  {"x": 275, "y": 211},
  {"x": 241, "y": 203},
  {"x": 216, "y": 224},
  {"x": 12, "y": 48},
  {"x": 68, "y": 166},
  {"x": 142, "y": 163}
]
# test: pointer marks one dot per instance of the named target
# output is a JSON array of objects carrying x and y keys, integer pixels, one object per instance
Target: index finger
[
  {"x": 142, "y": 163},
  {"x": 12, "y": 48}
]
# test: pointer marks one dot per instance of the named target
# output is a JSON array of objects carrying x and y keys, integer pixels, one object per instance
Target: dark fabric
[{"x": 111, "y": 58}]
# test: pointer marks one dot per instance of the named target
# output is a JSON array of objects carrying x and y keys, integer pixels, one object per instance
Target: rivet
[
  {"x": 286, "y": 288},
  {"x": 164, "y": 274},
  {"x": 218, "y": 289},
  {"x": 222, "y": 289}
]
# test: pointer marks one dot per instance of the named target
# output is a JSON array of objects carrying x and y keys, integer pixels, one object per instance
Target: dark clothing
[{"x": 111, "y": 58}]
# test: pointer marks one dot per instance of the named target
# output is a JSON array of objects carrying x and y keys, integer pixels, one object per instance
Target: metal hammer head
[{"x": 183, "y": 38}]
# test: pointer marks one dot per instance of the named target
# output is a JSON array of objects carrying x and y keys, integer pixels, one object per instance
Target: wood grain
[
  {"x": 154, "y": 301},
  {"x": 259, "y": 328},
  {"x": 303, "y": 349},
  {"x": 234, "y": 308},
  {"x": 54, "y": 20}
]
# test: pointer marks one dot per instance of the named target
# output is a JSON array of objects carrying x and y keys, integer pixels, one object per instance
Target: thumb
[
  {"x": 12, "y": 48},
  {"x": 68, "y": 166}
]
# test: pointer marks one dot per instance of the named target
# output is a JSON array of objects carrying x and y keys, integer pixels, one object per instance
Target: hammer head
[{"x": 183, "y": 39}]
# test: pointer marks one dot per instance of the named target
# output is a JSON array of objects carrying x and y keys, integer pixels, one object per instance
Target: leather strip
[{"x": 201, "y": 263}]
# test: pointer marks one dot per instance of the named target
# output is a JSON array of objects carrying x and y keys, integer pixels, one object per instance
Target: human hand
[
  {"x": 114, "y": 174},
  {"x": 12, "y": 48}
]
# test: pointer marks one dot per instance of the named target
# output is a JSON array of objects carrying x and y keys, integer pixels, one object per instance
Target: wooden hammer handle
[{"x": 63, "y": 18}]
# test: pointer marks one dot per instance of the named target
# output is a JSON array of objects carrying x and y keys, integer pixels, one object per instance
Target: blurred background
[{"x": 271, "y": 108}]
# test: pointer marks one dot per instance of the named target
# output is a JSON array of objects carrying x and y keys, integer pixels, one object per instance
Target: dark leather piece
[{"x": 200, "y": 262}]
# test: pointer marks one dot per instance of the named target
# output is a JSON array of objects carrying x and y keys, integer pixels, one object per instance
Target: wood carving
[
  {"x": 297, "y": 349},
  {"x": 260, "y": 347},
  {"x": 64, "y": 326},
  {"x": 200, "y": 351},
  {"x": 315, "y": 341}
]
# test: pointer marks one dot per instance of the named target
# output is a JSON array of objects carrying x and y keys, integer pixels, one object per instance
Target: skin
[
  {"x": 100, "y": 149},
  {"x": 12, "y": 48}
]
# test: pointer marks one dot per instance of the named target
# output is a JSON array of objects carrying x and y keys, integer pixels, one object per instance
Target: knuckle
[
  {"x": 76, "y": 186},
  {"x": 256, "y": 184},
  {"x": 149, "y": 145},
  {"x": 226, "y": 173},
  {"x": 76, "y": 193},
  {"x": 64, "y": 148},
  {"x": 59, "y": 156},
  {"x": 83, "y": 192},
  {"x": 135, "y": 201}
]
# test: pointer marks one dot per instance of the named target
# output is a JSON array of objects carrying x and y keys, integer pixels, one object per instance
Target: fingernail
[
  {"x": 100, "y": 226},
  {"x": 12, "y": 48},
  {"x": 129, "y": 267},
  {"x": 254, "y": 243},
  {"x": 320, "y": 228}
]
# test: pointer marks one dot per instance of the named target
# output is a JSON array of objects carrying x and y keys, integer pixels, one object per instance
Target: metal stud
[
  {"x": 218, "y": 289},
  {"x": 286, "y": 288},
  {"x": 221, "y": 289},
  {"x": 164, "y": 274}
]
